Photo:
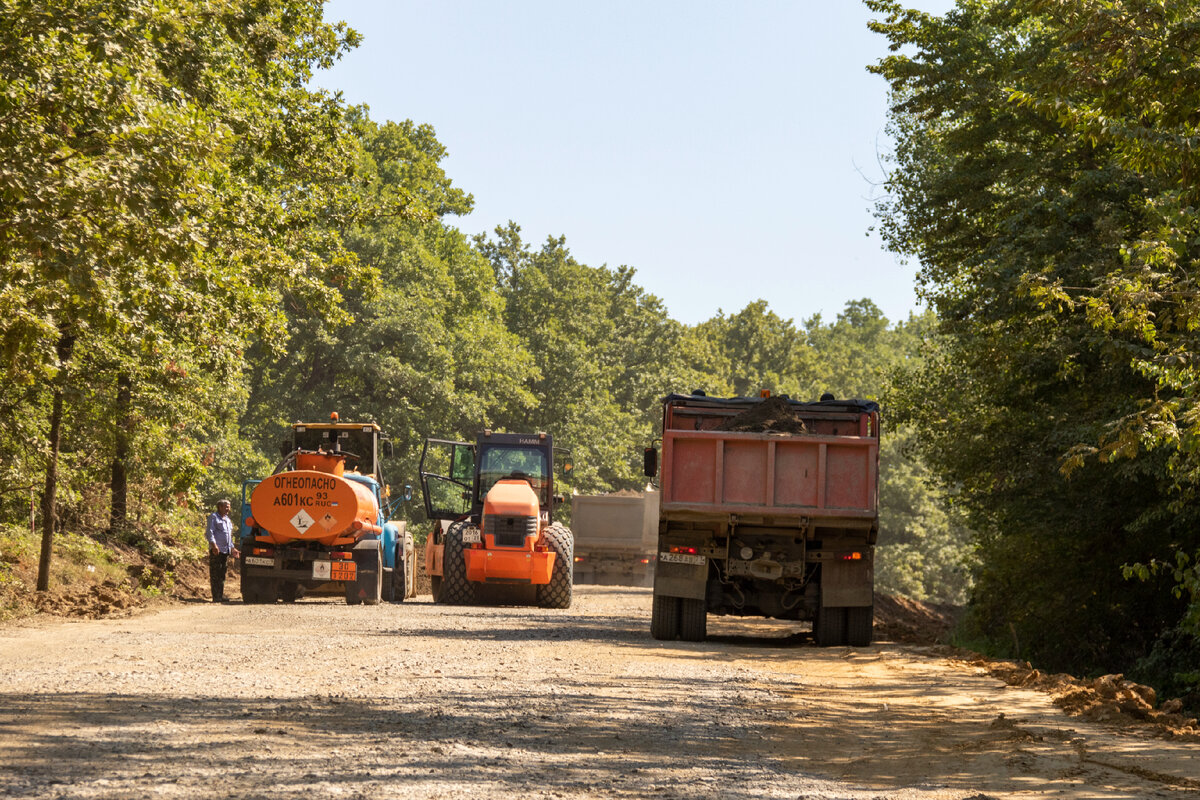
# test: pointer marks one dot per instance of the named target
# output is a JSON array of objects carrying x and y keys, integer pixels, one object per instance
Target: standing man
[{"x": 220, "y": 545}]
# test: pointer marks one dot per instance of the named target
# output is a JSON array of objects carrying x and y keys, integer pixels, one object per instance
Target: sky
[{"x": 727, "y": 151}]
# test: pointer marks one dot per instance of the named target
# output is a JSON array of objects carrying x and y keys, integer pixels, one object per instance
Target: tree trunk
[
  {"x": 120, "y": 480},
  {"x": 49, "y": 496}
]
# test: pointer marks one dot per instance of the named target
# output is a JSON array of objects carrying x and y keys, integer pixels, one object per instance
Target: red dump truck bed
[
  {"x": 764, "y": 473},
  {"x": 769, "y": 507}
]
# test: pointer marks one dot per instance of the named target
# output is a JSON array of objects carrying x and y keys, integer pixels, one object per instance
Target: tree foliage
[{"x": 1040, "y": 178}]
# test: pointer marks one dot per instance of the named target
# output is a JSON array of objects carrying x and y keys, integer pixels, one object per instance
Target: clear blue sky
[{"x": 725, "y": 150}]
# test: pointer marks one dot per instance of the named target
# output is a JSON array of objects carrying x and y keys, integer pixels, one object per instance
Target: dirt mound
[
  {"x": 912, "y": 621},
  {"x": 1109, "y": 698},
  {"x": 773, "y": 415},
  {"x": 101, "y": 600}
]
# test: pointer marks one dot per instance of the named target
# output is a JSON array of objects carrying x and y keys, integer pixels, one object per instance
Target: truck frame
[{"x": 762, "y": 523}]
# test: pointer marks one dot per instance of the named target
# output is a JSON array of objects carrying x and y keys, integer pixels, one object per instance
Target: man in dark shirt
[{"x": 220, "y": 546}]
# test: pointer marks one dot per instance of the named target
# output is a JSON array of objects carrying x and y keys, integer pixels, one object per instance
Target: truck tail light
[
  {"x": 262, "y": 551},
  {"x": 852, "y": 556},
  {"x": 578, "y": 559},
  {"x": 645, "y": 561},
  {"x": 691, "y": 551},
  {"x": 345, "y": 556}
]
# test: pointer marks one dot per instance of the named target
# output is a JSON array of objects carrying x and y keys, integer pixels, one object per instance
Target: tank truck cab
[
  {"x": 494, "y": 536},
  {"x": 322, "y": 522}
]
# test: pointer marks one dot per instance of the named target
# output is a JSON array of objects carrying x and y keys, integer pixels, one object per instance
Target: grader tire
[
  {"x": 456, "y": 590},
  {"x": 560, "y": 590}
]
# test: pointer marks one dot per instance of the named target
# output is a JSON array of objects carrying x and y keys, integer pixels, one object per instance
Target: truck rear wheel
[
  {"x": 435, "y": 587},
  {"x": 559, "y": 591},
  {"x": 693, "y": 620},
  {"x": 829, "y": 628},
  {"x": 455, "y": 589},
  {"x": 664, "y": 618},
  {"x": 860, "y": 626}
]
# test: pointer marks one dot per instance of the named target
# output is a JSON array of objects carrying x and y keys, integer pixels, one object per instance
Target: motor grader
[{"x": 494, "y": 539}]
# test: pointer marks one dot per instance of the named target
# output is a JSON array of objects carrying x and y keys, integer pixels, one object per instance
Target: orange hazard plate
[{"x": 342, "y": 571}]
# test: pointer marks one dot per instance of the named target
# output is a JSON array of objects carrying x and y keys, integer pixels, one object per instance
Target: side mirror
[
  {"x": 407, "y": 492},
  {"x": 650, "y": 462},
  {"x": 387, "y": 448},
  {"x": 559, "y": 499},
  {"x": 285, "y": 447},
  {"x": 567, "y": 467}
]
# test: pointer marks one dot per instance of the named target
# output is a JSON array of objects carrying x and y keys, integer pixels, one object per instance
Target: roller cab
[{"x": 495, "y": 538}]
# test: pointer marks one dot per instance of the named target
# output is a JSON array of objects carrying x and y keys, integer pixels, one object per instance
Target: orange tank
[{"x": 316, "y": 505}]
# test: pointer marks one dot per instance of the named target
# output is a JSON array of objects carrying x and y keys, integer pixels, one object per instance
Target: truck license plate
[
  {"x": 682, "y": 558},
  {"x": 259, "y": 561},
  {"x": 471, "y": 535},
  {"x": 344, "y": 571}
]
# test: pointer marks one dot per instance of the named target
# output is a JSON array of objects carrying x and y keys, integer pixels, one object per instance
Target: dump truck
[
  {"x": 769, "y": 508},
  {"x": 494, "y": 539},
  {"x": 615, "y": 537},
  {"x": 322, "y": 522}
]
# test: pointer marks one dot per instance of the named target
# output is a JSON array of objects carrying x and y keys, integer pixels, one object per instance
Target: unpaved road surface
[{"x": 320, "y": 699}]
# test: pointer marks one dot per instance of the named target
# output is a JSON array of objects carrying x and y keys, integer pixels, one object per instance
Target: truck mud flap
[
  {"x": 847, "y": 583},
  {"x": 675, "y": 577}
]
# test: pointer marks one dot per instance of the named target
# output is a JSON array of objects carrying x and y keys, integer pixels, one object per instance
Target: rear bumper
[{"x": 509, "y": 566}]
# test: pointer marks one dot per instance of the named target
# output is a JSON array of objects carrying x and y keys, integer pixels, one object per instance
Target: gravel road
[{"x": 319, "y": 699}]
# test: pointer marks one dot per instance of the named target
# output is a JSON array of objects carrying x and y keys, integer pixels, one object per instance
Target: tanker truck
[
  {"x": 769, "y": 507},
  {"x": 321, "y": 521}
]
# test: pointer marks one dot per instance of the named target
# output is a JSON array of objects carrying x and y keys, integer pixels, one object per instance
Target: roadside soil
[{"x": 415, "y": 700}]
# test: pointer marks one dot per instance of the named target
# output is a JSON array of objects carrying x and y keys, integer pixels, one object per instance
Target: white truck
[{"x": 616, "y": 536}]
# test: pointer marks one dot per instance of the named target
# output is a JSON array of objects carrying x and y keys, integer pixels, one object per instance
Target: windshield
[
  {"x": 526, "y": 463},
  {"x": 356, "y": 441}
]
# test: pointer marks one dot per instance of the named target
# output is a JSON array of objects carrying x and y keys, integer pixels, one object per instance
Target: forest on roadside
[{"x": 198, "y": 248}]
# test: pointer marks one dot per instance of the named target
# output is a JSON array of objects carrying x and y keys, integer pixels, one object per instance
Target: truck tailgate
[{"x": 770, "y": 474}]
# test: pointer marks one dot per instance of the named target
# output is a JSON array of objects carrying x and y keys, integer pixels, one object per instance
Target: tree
[
  {"x": 163, "y": 167},
  {"x": 1005, "y": 209},
  {"x": 605, "y": 352}
]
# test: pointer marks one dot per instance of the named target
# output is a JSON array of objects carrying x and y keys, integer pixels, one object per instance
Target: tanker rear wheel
[
  {"x": 559, "y": 591},
  {"x": 456, "y": 589},
  {"x": 374, "y": 588},
  {"x": 398, "y": 578},
  {"x": 664, "y": 618},
  {"x": 259, "y": 590},
  {"x": 288, "y": 591},
  {"x": 693, "y": 620}
]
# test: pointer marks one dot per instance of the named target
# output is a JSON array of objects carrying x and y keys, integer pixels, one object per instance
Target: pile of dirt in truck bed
[{"x": 773, "y": 415}]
